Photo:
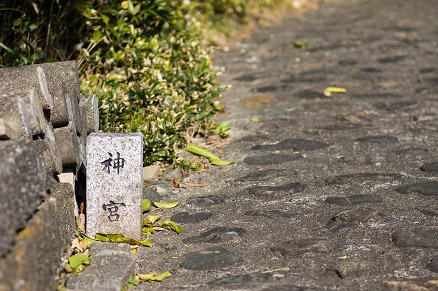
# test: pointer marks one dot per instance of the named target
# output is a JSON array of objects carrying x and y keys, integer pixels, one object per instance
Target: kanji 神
[{"x": 117, "y": 163}]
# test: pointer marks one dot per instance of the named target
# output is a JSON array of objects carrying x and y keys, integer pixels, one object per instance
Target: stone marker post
[{"x": 114, "y": 183}]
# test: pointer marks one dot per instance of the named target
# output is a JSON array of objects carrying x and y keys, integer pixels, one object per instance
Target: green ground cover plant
[{"x": 149, "y": 62}]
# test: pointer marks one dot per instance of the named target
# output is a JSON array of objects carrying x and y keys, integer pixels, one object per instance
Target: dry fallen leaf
[{"x": 175, "y": 183}]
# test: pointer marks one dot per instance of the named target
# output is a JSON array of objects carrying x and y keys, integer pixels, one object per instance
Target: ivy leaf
[
  {"x": 168, "y": 224},
  {"x": 166, "y": 205}
]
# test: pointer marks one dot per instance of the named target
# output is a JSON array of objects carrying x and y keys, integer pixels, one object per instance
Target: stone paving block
[
  {"x": 114, "y": 183},
  {"x": 111, "y": 265},
  {"x": 34, "y": 261},
  {"x": 22, "y": 187},
  {"x": 26, "y": 78}
]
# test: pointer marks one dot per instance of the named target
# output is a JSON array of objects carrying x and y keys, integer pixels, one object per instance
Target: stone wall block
[
  {"x": 50, "y": 155},
  {"x": 67, "y": 143},
  {"x": 73, "y": 111},
  {"x": 34, "y": 261},
  {"x": 35, "y": 111},
  {"x": 52, "y": 142},
  {"x": 90, "y": 108},
  {"x": 13, "y": 111},
  {"x": 22, "y": 187},
  {"x": 67, "y": 73},
  {"x": 59, "y": 115},
  {"x": 6, "y": 130},
  {"x": 26, "y": 78}
]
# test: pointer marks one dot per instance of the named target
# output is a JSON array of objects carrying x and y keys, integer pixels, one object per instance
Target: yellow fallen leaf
[
  {"x": 255, "y": 119},
  {"x": 329, "y": 90},
  {"x": 343, "y": 257},
  {"x": 166, "y": 205}
]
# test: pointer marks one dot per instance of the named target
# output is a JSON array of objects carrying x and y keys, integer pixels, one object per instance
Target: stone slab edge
[{"x": 111, "y": 265}]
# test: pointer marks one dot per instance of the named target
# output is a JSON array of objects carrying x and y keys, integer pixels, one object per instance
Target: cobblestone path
[{"x": 328, "y": 193}]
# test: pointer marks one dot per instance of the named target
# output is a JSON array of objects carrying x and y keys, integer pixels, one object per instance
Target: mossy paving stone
[
  {"x": 433, "y": 264},
  {"x": 310, "y": 94},
  {"x": 371, "y": 70},
  {"x": 428, "y": 188},
  {"x": 363, "y": 177},
  {"x": 431, "y": 210},
  {"x": 271, "y": 88},
  {"x": 272, "y": 214},
  {"x": 257, "y": 277},
  {"x": 310, "y": 246},
  {"x": 396, "y": 106},
  {"x": 405, "y": 238},
  {"x": 207, "y": 200},
  {"x": 295, "y": 144},
  {"x": 261, "y": 101},
  {"x": 186, "y": 217},
  {"x": 348, "y": 218},
  {"x": 289, "y": 288},
  {"x": 290, "y": 188},
  {"x": 217, "y": 234},
  {"x": 376, "y": 95},
  {"x": 269, "y": 174},
  {"x": 430, "y": 167},
  {"x": 210, "y": 258},
  {"x": 271, "y": 159},
  {"x": 391, "y": 59},
  {"x": 353, "y": 269},
  {"x": 353, "y": 200},
  {"x": 411, "y": 150},
  {"x": 379, "y": 139}
]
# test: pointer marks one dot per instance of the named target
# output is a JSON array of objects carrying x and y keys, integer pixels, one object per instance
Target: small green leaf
[
  {"x": 97, "y": 35},
  {"x": 132, "y": 281},
  {"x": 168, "y": 224},
  {"x": 300, "y": 44},
  {"x": 255, "y": 119},
  {"x": 194, "y": 149},
  {"x": 219, "y": 162},
  {"x": 146, "y": 205},
  {"x": 77, "y": 260},
  {"x": 148, "y": 230},
  {"x": 166, "y": 205},
  {"x": 104, "y": 18},
  {"x": 162, "y": 276},
  {"x": 214, "y": 159},
  {"x": 119, "y": 238}
]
